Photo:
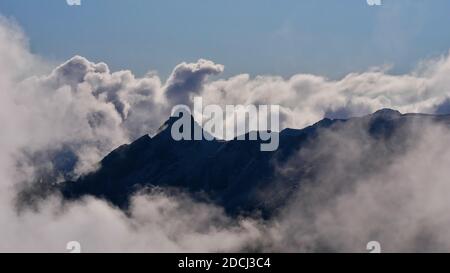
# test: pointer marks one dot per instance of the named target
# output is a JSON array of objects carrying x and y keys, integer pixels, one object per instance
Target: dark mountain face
[{"x": 236, "y": 174}]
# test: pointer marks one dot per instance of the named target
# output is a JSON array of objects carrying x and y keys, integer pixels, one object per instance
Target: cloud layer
[
  {"x": 62, "y": 121},
  {"x": 362, "y": 194}
]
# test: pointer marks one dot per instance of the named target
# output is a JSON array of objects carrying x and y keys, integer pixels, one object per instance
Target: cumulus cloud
[
  {"x": 83, "y": 108},
  {"x": 305, "y": 99},
  {"x": 63, "y": 121},
  {"x": 156, "y": 223},
  {"x": 362, "y": 194},
  {"x": 187, "y": 79},
  {"x": 59, "y": 123}
]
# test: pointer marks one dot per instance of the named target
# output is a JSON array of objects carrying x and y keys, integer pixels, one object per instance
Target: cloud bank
[
  {"x": 61, "y": 122},
  {"x": 362, "y": 194}
]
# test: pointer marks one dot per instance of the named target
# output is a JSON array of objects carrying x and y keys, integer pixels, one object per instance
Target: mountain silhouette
[{"x": 235, "y": 174}]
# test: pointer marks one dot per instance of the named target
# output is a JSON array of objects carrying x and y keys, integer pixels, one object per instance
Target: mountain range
[{"x": 239, "y": 177}]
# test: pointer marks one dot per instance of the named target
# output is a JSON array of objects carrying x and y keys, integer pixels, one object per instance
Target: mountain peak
[
  {"x": 234, "y": 175},
  {"x": 171, "y": 121},
  {"x": 167, "y": 125},
  {"x": 387, "y": 113}
]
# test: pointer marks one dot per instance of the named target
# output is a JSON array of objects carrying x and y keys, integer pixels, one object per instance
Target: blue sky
[{"x": 283, "y": 37}]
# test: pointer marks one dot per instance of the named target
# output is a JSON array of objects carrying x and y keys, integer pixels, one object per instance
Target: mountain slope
[{"x": 236, "y": 174}]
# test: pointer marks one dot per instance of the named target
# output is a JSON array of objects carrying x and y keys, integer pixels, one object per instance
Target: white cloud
[
  {"x": 403, "y": 205},
  {"x": 158, "y": 223},
  {"x": 85, "y": 109},
  {"x": 189, "y": 78},
  {"x": 308, "y": 98}
]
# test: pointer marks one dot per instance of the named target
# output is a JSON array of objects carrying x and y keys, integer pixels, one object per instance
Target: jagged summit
[
  {"x": 166, "y": 127},
  {"x": 167, "y": 124},
  {"x": 236, "y": 174}
]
